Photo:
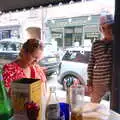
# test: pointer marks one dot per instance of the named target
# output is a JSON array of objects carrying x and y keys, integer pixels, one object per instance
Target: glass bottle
[
  {"x": 53, "y": 108},
  {"x": 5, "y": 104}
]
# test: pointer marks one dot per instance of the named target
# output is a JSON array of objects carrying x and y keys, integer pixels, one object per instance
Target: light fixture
[
  {"x": 24, "y": 10},
  {"x": 41, "y": 7},
  {"x": 70, "y": 20},
  {"x": 83, "y": 0},
  {"x": 50, "y": 5},
  {"x": 10, "y": 12},
  {"x": 17, "y": 11},
  {"x": 32, "y": 8},
  {"x": 71, "y": 2},
  {"x": 60, "y": 3},
  {"x": 53, "y": 21},
  {"x": 0, "y": 12},
  {"x": 89, "y": 18}
]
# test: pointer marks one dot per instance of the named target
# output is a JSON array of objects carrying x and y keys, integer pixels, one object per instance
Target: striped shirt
[{"x": 100, "y": 63}]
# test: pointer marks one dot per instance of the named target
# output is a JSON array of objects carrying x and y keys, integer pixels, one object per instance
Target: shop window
[
  {"x": 14, "y": 34},
  {"x": 6, "y": 34}
]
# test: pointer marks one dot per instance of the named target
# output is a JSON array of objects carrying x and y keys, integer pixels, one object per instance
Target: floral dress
[{"x": 13, "y": 71}]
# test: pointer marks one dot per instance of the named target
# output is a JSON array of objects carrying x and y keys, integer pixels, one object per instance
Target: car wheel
[{"x": 68, "y": 80}]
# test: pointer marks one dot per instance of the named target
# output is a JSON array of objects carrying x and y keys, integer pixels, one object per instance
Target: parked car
[
  {"x": 73, "y": 67},
  {"x": 10, "y": 48},
  {"x": 50, "y": 60}
]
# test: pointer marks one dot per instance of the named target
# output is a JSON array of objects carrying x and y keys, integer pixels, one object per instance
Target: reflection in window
[
  {"x": 7, "y": 46},
  {"x": 77, "y": 56},
  {"x": 6, "y": 34}
]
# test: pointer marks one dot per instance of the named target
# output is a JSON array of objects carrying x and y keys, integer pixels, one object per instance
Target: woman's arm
[{"x": 6, "y": 76}]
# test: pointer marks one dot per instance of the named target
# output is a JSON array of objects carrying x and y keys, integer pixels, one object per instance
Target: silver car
[{"x": 73, "y": 67}]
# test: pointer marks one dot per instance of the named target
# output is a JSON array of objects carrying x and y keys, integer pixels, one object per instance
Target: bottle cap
[{"x": 52, "y": 88}]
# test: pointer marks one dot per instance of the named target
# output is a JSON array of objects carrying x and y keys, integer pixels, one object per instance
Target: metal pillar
[
  {"x": 115, "y": 99},
  {"x": 43, "y": 18},
  {"x": 63, "y": 38},
  {"x": 83, "y": 35}
]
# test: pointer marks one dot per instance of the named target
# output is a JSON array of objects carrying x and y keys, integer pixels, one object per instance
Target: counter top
[
  {"x": 111, "y": 116},
  {"x": 114, "y": 116}
]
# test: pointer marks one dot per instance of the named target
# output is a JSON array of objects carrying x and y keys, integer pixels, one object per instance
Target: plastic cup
[{"x": 65, "y": 108}]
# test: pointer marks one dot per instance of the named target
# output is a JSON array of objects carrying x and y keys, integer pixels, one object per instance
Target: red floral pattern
[{"x": 13, "y": 71}]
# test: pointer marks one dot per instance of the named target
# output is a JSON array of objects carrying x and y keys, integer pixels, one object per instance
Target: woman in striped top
[{"x": 100, "y": 63}]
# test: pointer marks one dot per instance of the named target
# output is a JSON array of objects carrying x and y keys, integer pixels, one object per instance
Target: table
[{"x": 114, "y": 116}]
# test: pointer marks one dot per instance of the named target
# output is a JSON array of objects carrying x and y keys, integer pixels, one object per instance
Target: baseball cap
[{"x": 106, "y": 19}]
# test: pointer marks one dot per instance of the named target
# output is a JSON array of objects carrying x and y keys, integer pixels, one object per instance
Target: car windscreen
[
  {"x": 10, "y": 46},
  {"x": 77, "y": 56}
]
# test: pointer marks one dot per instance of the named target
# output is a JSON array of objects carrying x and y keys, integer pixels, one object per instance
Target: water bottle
[
  {"x": 5, "y": 104},
  {"x": 53, "y": 108}
]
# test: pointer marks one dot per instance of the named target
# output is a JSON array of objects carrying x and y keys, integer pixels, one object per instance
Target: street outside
[
  {"x": 60, "y": 93},
  {"x": 52, "y": 81}
]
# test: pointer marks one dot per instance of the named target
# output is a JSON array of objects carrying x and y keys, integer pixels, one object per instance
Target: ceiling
[{"x": 12, "y": 5}]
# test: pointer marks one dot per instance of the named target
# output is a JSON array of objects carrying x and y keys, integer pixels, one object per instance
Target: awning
[{"x": 12, "y": 5}]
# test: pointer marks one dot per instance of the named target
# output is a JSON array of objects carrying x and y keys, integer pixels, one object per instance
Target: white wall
[{"x": 80, "y": 9}]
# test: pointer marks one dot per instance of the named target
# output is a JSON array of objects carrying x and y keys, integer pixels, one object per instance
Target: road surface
[{"x": 52, "y": 81}]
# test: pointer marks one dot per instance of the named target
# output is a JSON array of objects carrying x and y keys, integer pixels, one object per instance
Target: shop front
[
  {"x": 9, "y": 32},
  {"x": 66, "y": 31}
]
